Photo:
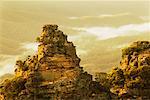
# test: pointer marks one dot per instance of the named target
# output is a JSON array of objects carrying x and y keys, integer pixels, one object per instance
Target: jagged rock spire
[{"x": 53, "y": 42}]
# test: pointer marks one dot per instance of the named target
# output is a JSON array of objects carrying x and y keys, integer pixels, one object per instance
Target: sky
[{"x": 98, "y": 29}]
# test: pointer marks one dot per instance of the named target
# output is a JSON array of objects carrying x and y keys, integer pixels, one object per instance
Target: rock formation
[
  {"x": 53, "y": 73},
  {"x": 131, "y": 80}
]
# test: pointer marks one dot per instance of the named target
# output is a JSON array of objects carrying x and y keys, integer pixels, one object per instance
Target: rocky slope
[{"x": 53, "y": 73}]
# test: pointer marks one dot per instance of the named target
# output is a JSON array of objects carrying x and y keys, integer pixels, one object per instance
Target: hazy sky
[{"x": 98, "y": 29}]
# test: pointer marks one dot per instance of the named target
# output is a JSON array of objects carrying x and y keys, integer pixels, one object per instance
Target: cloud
[
  {"x": 120, "y": 46},
  {"x": 73, "y": 37},
  {"x": 8, "y": 68},
  {"x": 145, "y": 18},
  {"x": 111, "y": 32},
  {"x": 30, "y": 46},
  {"x": 30, "y": 49},
  {"x": 99, "y": 16},
  {"x": 7, "y": 62}
]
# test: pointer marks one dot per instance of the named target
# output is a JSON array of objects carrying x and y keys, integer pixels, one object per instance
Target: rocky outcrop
[
  {"x": 53, "y": 73},
  {"x": 131, "y": 80}
]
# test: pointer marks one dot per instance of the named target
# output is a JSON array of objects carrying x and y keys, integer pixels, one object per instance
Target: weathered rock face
[
  {"x": 137, "y": 69},
  {"x": 53, "y": 73},
  {"x": 134, "y": 71},
  {"x": 56, "y": 56}
]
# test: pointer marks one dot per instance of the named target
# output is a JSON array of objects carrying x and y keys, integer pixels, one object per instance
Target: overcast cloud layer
[{"x": 111, "y": 32}]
